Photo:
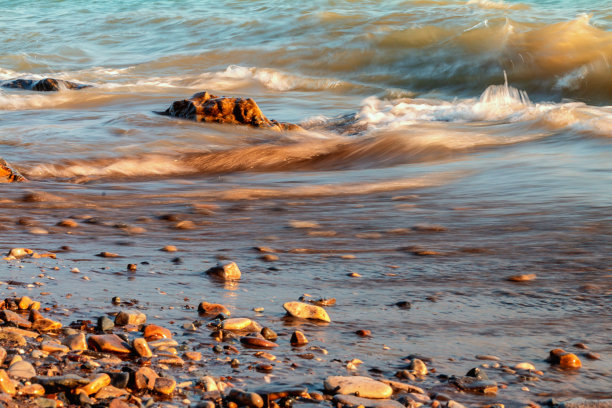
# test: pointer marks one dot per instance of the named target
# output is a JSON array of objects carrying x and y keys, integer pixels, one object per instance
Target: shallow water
[{"x": 479, "y": 130}]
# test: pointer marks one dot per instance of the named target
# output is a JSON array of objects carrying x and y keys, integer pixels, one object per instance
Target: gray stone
[
  {"x": 105, "y": 324},
  {"x": 22, "y": 369}
]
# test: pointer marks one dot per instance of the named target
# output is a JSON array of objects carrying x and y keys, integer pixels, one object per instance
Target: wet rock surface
[
  {"x": 204, "y": 107},
  {"x": 42, "y": 85},
  {"x": 8, "y": 174}
]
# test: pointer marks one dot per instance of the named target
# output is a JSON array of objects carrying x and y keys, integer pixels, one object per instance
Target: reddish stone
[
  {"x": 155, "y": 332},
  {"x": 108, "y": 342},
  {"x": 257, "y": 342}
]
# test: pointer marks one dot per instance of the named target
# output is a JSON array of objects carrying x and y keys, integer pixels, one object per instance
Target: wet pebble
[
  {"x": 564, "y": 359},
  {"x": 306, "y": 311},
  {"x": 298, "y": 339}
]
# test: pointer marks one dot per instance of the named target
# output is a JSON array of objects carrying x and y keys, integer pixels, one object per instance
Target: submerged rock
[
  {"x": 42, "y": 85},
  {"x": 9, "y": 174},
  {"x": 204, "y": 107},
  {"x": 564, "y": 359},
  {"x": 306, "y": 311}
]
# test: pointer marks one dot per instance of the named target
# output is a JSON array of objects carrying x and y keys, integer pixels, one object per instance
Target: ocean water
[{"x": 480, "y": 131}]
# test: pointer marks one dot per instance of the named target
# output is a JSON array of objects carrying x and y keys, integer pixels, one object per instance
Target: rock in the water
[
  {"x": 298, "y": 339},
  {"x": 42, "y": 85},
  {"x": 204, "y": 107},
  {"x": 353, "y": 401},
  {"x": 8, "y": 174},
  {"x": 206, "y": 308},
  {"x": 564, "y": 359},
  {"x": 306, "y": 311},
  {"x": 248, "y": 399},
  {"x": 418, "y": 367},
  {"x": 475, "y": 385},
  {"x": 365, "y": 387},
  {"x": 134, "y": 317},
  {"x": 64, "y": 382},
  {"x": 240, "y": 324},
  {"x": 155, "y": 332},
  {"x": 142, "y": 348},
  {"x": 226, "y": 271},
  {"x": 164, "y": 385},
  {"x": 257, "y": 342}
]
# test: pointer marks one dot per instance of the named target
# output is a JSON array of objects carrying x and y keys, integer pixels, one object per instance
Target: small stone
[
  {"x": 265, "y": 355},
  {"x": 268, "y": 334},
  {"x": 105, "y": 254},
  {"x": 357, "y": 385},
  {"x": 212, "y": 309},
  {"x": 22, "y": 369},
  {"x": 176, "y": 361},
  {"x": 101, "y": 380},
  {"x": 488, "y": 357},
  {"x": 477, "y": 373},
  {"x": 227, "y": 271},
  {"x": 475, "y": 385},
  {"x": 76, "y": 342},
  {"x": 185, "y": 225},
  {"x": 257, "y": 342},
  {"x": 306, "y": 311},
  {"x": 6, "y": 385},
  {"x": 400, "y": 386},
  {"x": 42, "y": 402},
  {"x": 209, "y": 383},
  {"x": 193, "y": 355},
  {"x": 24, "y": 303},
  {"x": 163, "y": 343},
  {"x": 126, "y": 317},
  {"x": 522, "y": 278},
  {"x": 11, "y": 338},
  {"x": 56, "y": 383},
  {"x": 418, "y": 367},
  {"x": 144, "y": 378},
  {"x": 15, "y": 319},
  {"x": 108, "y": 342},
  {"x": 46, "y": 325},
  {"x": 592, "y": 356},
  {"x": 248, "y": 399},
  {"x": 269, "y": 258},
  {"x": 298, "y": 339},
  {"x": 363, "y": 333},
  {"x": 110, "y": 391},
  {"x": 33, "y": 389},
  {"x": 2, "y": 355},
  {"x": 68, "y": 223},
  {"x": 132, "y": 267},
  {"x": 116, "y": 300},
  {"x": 164, "y": 385},
  {"x": 105, "y": 324},
  {"x": 20, "y": 252},
  {"x": 524, "y": 366},
  {"x": 564, "y": 359},
  {"x": 169, "y": 248},
  {"x": 142, "y": 348},
  {"x": 240, "y": 324},
  {"x": 235, "y": 363},
  {"x": 53, "y": 347},
  {"x": 154, "y": 332}
]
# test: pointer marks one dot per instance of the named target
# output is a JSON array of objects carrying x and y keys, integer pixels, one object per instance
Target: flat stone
[
  {"x": 15, "y": 319},
  {"x": 522, "y": 278},
  {"x": 193, "y": 355},
  {"x": 524, "y": 366},
  {"x": 110, "y": 392},
  {"x": 353, "y": 401},
  {"x": 6, "y": 384},
  {"x": 248, "y": 399},
  {"x": 176, "y": 361},
  {"x": 164, "y": 385},
  {"x": 365, "y": 387},
  {"x": 12, "y": 339},
  {"x": 240, "y": 324},
  {"x": 306, "y": 311},
  {"x": 53, "y": 347},
  {"x": 257, "y": 342},
  {"x": 142, "y": 347},
  {"x": 400, "y": 386},
  {"x": 134, "y": 317},
  {"x": 417, "y": 367},
  {"x": 32, "y": 389},
  {"x": 213, "y": 309},
  {"x": 46, "y": 325},
  {"x": 226, "y": 271},
  {"x": 108, "y": 342},
  {"x": 155, "y": 332},
  {"x": 22, "y": 369},
  {"x": 475, "y": 385},
  {"x": 42, "y": 402},
  {"x": 144, "y": 378},
  {"x": 100, "y": 380},
  {"x": 163, "y": 343},
  {"x": 63, "y": 382},
  {"x": 75, "y": 342}
]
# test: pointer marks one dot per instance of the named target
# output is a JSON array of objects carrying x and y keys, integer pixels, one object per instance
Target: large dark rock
[
  {"x": 42, "y": 85},
  {"x": 204, "y": 107},
  {"x": 9, "y": 174}
]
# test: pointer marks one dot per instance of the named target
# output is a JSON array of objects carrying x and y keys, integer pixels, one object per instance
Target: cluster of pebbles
[{"x": 123, "y": 361}]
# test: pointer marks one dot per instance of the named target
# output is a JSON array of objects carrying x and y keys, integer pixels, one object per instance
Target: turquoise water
[{"x": 490, "y": 119}]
